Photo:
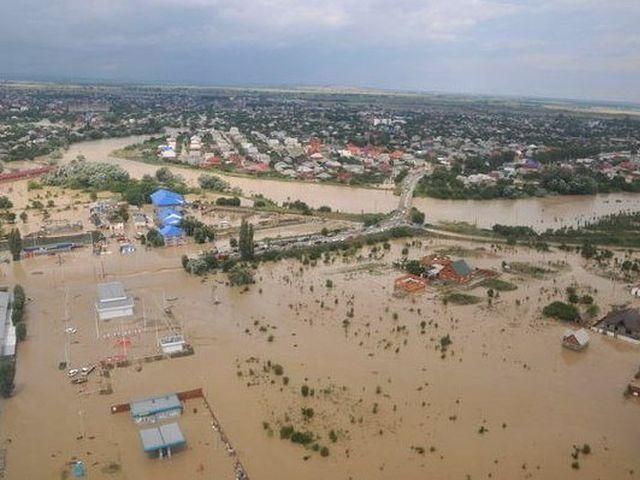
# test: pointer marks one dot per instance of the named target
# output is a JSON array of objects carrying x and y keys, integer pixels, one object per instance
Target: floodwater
[
  {"x": 539, "y": 213},
  {"x": 379, "y": 381}
]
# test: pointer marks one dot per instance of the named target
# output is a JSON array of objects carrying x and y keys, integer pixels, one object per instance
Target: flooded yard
[{"x": 503, "y": 400}]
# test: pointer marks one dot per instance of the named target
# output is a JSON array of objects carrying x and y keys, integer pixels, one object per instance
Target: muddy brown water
[
  {"x": 504, "y": 367},
  {"x": 539, "y": 213}
]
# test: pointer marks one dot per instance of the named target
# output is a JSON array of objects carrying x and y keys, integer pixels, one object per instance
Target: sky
[{"x": 584, "y": 49}]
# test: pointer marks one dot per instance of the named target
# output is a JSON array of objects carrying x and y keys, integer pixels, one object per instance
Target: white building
[
  {"x": 7, "y": 330},
  {"x": 113, "y": 302},
  {"x": 172, "y": 344}
]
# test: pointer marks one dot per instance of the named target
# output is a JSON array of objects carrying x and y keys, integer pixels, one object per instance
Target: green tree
[
  {"x": 154, "y": 238},
  {"x": 7, "y": 375},
  {"x": 240, "y": 275},
  {"x": 21, "y": 331},
  {"x": 417, "y": 216},
  {"x": 15, "y": 243},
  {"x": 245, "y": 243}
]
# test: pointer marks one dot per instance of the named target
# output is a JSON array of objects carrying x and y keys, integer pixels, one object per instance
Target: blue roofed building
[
  {"x": 161, "y": 440},
  {"x": 166, "y": 198},
  {"x": 172, "y": 234},
  {"x": 164, "y": 406},
  {"x": 169, "y": 216}
]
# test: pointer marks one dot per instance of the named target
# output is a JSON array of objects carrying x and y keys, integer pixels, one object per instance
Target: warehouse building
[
  {"x": 155, "y": 408},
  {"x": 113, "y": 302},
  {"x": 159, "y": 441}
]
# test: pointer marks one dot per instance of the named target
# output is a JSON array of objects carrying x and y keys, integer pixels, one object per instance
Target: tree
[
  {"x": 21, "y": 331},
  {"x": 245, "y": 243},
  {"x": 417, "y": 216},
  {"x": 15, "y": 243},
  {"x": 212, "y": 182},
  {"x": 414, "y": 267},
  {"x": 154, "y": 238},
  {"x": 5, "y": 202},
  {"x": 7, "y": 375},
  {"x": 588, "y": 250},
  {"x": 240, "y": 275},
  {"x": 23, "y": 217},
  {"x": 562, "y": 311}
]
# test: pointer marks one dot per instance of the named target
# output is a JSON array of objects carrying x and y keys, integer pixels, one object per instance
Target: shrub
[
  {"x": 21, "y": 331},
  {"x": 324, "y": 452},
  {"x": 561, "y": 311}
]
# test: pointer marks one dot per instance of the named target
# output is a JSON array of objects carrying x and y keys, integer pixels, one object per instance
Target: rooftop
[
  {"x": 111, "y": 291},
  {"x": 164, "y": 436},
  {"x": 153, "y": 405}
]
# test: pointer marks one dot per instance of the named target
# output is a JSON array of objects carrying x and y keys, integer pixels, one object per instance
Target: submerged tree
[
  {"x": 15, "y": 243},
  {"x": 245, "y": 243}
]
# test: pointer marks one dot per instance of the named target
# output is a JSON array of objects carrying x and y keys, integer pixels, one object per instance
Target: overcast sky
[{"x": 560, "y": 48}]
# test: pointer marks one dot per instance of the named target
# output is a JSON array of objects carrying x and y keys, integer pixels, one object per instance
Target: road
[{"x": 398, "y": 218}]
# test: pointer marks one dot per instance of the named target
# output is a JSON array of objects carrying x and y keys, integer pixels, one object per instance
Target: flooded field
[
  {"x": 539, "y": 213},
  {"x": 503, "y": 400}
]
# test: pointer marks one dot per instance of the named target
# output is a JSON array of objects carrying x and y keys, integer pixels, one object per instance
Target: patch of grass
[
  {"x": 497, "y": 284},
  {"x": 457, "y": 298},
  {"x": 528, "y": 269}
]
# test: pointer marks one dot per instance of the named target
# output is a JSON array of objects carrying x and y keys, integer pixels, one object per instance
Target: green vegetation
[
  {"x": 497, "y": 284},
  {"x": 200, "y": 232},
  {"x": 228, "y": 202},
  {"x": 14, "y": 239},
  {"x": 417, "y": 216},
  {"x": 561, "y": 311},
  {"x": 457, "y": 298},
  {"x": 154, "y": 238},
  {"x": 245, "y": 241},
  {"x": 241, "y": 275},
  {"x": 213, "y": 183},
  {"x": 7, "y": 376}
]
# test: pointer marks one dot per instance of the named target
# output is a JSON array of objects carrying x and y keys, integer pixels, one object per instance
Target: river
[{"x": 538, "y": 213}]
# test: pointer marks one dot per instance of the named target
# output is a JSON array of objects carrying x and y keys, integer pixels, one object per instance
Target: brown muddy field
[{"x": 504, "y": 400}]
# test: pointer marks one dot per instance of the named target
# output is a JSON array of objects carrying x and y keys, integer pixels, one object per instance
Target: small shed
[
  {"x": 172, "y": 344},
  {"x": 635, "y": 290},
  {"x": 575, "y": 339},
  {"x": 161, "y": 440},
  {"x": 154, "y": 407},
  {"x": 113, "y": 302}
]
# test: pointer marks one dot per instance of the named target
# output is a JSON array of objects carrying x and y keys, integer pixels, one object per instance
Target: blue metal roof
[
  {"x": 169, "y": 216},
  {"x": 164, "y": 436},
  {"x": 154, "y": 405},
  {"x": 171, "y": 231},
  {"x": 166, "y": 198}
]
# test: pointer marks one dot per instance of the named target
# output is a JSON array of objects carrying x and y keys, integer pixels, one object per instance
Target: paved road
[{"x": 399, "y": 217}]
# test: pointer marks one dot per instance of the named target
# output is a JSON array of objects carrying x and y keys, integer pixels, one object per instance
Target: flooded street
[
  {"x": 400, "y": 409},
  {"x": 539, "y": 213}
]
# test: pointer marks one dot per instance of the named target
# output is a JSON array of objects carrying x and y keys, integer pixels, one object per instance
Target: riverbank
[{"x": 537, "y": 213}]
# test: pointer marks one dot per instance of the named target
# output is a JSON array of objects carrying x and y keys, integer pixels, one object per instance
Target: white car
[
  {"x": 71, "y": 330},
  {"x": 73, "y": 372}
]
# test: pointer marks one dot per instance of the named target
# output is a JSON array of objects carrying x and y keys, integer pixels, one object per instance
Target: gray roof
[
  {"x": 581, "y": 336},
  {"x": 111, "y": 291},
  {"x": 624, "y": 322},
  {"x": 461, "y": 268},
  {"x": 153, "y": 405},
  {"x": 164, "y": 436}
]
